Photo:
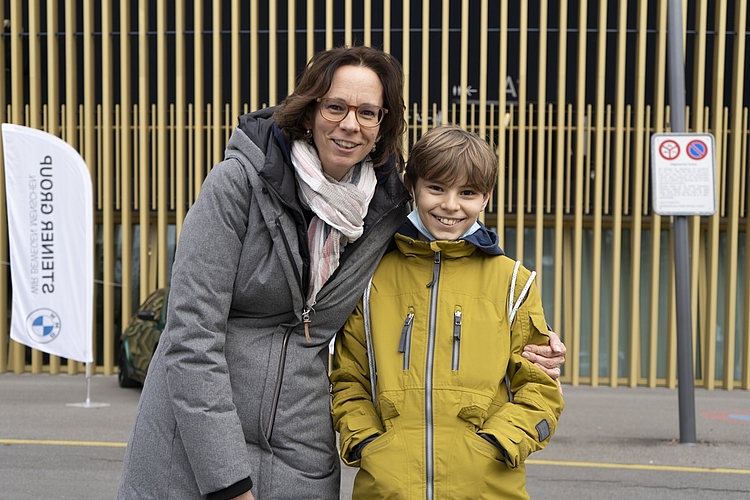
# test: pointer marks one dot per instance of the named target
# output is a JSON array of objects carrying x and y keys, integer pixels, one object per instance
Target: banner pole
[
  {"x": 88, "y": 384},
  {"x": 88, "y": 403}
]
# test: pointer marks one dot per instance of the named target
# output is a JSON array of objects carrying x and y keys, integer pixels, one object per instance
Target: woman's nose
[{"x": 350, "y": 121}]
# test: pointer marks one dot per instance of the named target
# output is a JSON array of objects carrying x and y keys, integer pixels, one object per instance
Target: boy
[{"x": 431, "y": 396}]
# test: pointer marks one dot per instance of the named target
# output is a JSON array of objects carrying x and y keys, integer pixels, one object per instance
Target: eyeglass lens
[{"x": 335, "y": 110}]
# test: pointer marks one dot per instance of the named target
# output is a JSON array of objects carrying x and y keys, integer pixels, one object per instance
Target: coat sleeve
[
  {"x": 527, "y": 423},
  {"x": 354, "y": 415},
  {"x": 200, "y": 299}
]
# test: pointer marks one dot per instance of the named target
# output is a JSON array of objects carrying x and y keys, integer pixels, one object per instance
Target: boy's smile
[{"x": 448, "y": 209}]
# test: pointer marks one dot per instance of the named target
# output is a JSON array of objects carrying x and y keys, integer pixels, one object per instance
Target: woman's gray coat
[{"x": 234, "y": 390}]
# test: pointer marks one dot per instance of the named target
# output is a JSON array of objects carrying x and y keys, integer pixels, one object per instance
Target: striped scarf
[{"x": 339, "y": 208}]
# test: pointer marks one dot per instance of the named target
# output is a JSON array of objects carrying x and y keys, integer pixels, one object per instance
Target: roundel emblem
[{"x": 43, "y": 325}]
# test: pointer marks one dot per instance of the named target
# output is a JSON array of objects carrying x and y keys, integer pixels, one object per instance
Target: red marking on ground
[{"x": 733, "y": 416}]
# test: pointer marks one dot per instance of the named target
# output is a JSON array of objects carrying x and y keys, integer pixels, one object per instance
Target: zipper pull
[
  {"x": 306, "y": 321},
  {"x": 456, "y": 338},
  {"x": 405, "y": 332},
  {"x": 457, "y": 326}
]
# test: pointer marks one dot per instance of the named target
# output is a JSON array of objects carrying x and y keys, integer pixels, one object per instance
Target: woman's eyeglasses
[{"x": 335, "y": 110}]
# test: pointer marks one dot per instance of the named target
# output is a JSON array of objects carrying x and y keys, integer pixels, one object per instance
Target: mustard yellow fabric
[{"x": 428, "y": 414}]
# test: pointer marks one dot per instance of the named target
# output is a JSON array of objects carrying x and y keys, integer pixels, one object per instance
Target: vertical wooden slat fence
[{"x": 568, "y": 93}]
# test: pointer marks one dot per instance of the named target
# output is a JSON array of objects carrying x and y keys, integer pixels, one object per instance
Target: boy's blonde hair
[{"x": 448, "y": 152}]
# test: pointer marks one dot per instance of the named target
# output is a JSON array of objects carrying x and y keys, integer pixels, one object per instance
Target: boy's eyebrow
[{"x": 452, "y": 182}]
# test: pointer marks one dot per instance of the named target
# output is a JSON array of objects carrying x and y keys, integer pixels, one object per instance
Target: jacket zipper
[
  {"x": 404, "y": 345},
  {"x": 288, "y": 333},
  {"x": 306, "y": 320},
  {"x": 456, "y": 338},
  {"x": 279, "y": 379},
  {"x": 285, "y": 342},
  {"x": 429, "y": 421},
  {"x": 305, "y": 312}
]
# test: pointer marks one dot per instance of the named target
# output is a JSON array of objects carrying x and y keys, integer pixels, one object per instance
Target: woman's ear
[{"x": 309, "y": 120}]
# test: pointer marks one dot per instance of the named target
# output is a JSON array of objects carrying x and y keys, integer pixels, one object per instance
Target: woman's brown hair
[{"x": 295, "y": 110}]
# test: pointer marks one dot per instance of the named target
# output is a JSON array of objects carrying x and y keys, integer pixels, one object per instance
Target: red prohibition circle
[
  {"x": 669, "y": 150},
  {"x": 697, "y": 149}
]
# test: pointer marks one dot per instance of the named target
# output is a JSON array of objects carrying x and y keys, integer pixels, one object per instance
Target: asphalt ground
[{"x": 612, "y": 443}]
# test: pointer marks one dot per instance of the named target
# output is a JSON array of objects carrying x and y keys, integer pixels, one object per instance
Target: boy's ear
[
  {"x": 407, "y": 183},
  {"x": 487, "y": 198},
  {"x": 409, "y": 187}
]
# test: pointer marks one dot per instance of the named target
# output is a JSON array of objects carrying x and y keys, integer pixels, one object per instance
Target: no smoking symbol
[
  {"x": 697, "y": 150},
  {"x": 669, "y": 150}
]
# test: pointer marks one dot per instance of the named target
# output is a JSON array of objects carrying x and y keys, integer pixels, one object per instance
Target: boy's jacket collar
[{"x": 483, "y": 239}]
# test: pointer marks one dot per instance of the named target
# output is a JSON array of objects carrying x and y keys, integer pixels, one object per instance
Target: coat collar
[
  {"x": 278, "y": 173},
  {"x": 484, "y": 239}
]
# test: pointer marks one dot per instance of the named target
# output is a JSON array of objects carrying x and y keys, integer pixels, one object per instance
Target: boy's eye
[{"x": 468, "y": 192}]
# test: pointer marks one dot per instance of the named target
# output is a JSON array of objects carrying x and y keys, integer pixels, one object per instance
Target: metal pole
[
  {"x": 686, "y": 389},
  {"x": 88, "y": 384}
]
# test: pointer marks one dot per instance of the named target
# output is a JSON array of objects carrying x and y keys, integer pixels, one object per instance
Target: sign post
[
  {"x": 683, "y": 178},
  {"x": 686, "y": 390}
]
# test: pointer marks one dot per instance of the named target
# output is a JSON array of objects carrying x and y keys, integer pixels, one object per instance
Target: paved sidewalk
[{"x": 611, "y": 443}]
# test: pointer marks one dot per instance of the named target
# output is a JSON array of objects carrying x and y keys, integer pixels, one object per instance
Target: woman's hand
[
  {"x": 549, "y": 358},
  {"x": 245, "y": 496}
]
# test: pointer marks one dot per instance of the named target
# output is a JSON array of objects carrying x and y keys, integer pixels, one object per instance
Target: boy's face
[{"x": 447, "y": 210}]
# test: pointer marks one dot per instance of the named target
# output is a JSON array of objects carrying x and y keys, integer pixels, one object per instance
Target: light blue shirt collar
[{"x": 414, "y": 218}]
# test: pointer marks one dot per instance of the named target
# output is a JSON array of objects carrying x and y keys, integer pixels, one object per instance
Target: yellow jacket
[{"x": 439, "y": 330}]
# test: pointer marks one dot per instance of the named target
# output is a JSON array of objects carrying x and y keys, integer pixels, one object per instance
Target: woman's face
[{"x": 344, "y": 144}]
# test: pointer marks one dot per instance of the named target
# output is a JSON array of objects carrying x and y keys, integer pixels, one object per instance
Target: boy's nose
[{"x": 450, "y": 202}]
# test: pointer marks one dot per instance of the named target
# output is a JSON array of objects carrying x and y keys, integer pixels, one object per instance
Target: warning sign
[
  {"x": 669, "y": 150},
  {"x": 683, "y": 174}
]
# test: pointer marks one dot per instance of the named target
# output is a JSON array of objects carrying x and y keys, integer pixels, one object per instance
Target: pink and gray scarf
[{"x": 339, "y": 208}]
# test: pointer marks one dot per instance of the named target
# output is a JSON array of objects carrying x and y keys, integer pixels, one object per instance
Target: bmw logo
[{"x": 43, "y": 325}]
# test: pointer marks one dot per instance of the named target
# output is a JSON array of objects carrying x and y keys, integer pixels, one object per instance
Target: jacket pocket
[
  {"x": 388, "y": 405},
  {"x": 474, "y": 408},
  {"x": 473, "y": 457},
  {"x": 382, "y": 467}
]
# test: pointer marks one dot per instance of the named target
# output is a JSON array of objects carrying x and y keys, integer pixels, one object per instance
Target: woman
[{"x": 273, "y": 257}]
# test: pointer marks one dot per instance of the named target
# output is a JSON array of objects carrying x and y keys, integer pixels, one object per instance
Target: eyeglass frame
[{"x": 350, "y": 107}]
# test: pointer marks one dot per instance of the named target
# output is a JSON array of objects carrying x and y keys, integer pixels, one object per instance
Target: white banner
[{"x": 50, "y": 230}]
